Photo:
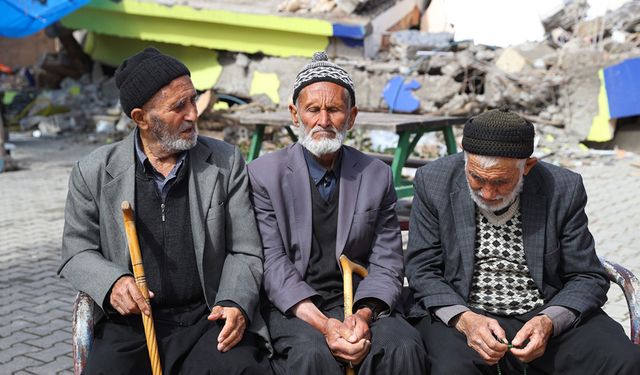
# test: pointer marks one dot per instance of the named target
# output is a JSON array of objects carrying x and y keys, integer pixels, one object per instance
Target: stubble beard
[{"x": 170, "y": 141}]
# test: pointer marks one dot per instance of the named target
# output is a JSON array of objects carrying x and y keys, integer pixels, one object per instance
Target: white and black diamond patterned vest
[{"x": 502, "y": 283}]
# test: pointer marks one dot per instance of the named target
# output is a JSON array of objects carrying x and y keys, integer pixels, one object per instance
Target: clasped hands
[
  {"x": 350, "y": 340},
  {"x": 127, "y": 299},
  {"x": 485, "y": 336}
]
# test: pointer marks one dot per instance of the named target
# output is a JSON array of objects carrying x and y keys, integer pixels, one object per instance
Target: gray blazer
[
  {"x": 94, "y": 246},
  {"x": 559, "y": 248},
  {"x": 368, "y": 229}
]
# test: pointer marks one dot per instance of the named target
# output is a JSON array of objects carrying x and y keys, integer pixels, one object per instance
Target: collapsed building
[{"x": 402, "y": 59}]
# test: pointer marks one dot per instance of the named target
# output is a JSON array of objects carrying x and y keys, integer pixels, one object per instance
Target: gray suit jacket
[
  {"x": 368, "y": 229},
  {"x": 559, "y": 248},
  {"x": 225, "y": 237}
]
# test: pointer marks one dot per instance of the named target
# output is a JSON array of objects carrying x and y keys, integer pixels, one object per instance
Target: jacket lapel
[
  {"x": 464, "y": 212},
  {"x": 202, "y": 181},
  {"x": 121, "y": 168},
  {"x": 349, "y": 186},
  {"x": 297, "y": 178},
  {"x": 533, "y": 207}
]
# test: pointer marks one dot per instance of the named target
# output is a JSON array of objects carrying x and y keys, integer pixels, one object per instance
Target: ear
[
  {"x": 293, "y": 111},
  {"x": 352, "y": 116},
  {"x": 137, "y": 115},
  {"x": 529, "y": 164}
]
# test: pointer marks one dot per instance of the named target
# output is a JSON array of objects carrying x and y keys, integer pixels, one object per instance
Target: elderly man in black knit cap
[
  {"x": 199, "y": 243},
  {"x": 502, "y": 266},
  {"x": 315, "y": 201}
]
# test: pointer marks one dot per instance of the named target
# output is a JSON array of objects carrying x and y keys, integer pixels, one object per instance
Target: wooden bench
[{"x": 82, "y": 329}]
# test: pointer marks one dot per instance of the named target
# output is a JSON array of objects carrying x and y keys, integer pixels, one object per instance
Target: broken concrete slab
[
  {"x": 437, "y": 89},
  {"x": 566, "y": 15},
  {"x": 511, "y": 61}
]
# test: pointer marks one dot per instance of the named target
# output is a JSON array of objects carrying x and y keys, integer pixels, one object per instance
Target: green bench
[{"x": 409, "y": 128}]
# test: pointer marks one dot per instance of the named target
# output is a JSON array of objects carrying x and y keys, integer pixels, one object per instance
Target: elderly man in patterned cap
[
  {"x": 199, "y": 242},
  {"x": 502, "y": 266},
  {"x": 314, "y": 201}
]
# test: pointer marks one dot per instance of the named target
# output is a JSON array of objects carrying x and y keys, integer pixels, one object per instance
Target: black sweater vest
[
  {"x": 166, "y": 242},
  {"x": 323, "y": 273}
]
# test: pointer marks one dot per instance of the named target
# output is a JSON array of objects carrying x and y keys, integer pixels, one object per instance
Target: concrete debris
[
  {"x": 406, "y": 43},
  {"x": 625, "y": 18},
  {"x": 567, "y": 15}
]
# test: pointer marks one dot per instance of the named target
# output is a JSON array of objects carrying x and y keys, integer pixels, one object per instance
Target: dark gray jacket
[
  {"x": 559, "y": 248},
  {"x": 94, "y": 246}
]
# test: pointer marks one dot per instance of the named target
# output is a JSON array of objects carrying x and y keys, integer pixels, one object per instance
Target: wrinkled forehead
[
  {"x": 493, "y": 167},
  {"x": 324, "y": 90},
  {"x": 178, "y": 89}
]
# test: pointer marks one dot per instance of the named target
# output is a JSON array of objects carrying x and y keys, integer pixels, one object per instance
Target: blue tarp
[
  {"x": 20, "y": 18},
  {"x": 622, "y": 82}
]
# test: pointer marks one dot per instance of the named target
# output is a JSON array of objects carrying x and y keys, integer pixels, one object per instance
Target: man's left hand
[
  {"x": 233, "y": 329},
  {"x": 538, "y": 330}
]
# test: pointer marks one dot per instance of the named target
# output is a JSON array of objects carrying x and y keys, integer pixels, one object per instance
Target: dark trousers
[
  {"x": 186, "y": 342},
  {"x": 299, "y": 348},
  {"x": 597, "y": 345}
]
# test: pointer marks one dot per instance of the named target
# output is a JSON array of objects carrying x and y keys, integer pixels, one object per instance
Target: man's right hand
[
  {"x": 483, "y": 335},
  {"x": 336, "y": 334},
  {"x": 127, "y": 299}
]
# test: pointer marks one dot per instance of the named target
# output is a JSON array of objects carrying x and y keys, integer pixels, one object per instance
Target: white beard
[
  {"x": 507, "y": 200},
  {"x": 324, "y": 145}
]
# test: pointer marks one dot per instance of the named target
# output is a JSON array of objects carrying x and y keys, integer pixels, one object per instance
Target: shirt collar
[
  {"x": 316, "y": 170},
  {"x": 142, "y": 157}
]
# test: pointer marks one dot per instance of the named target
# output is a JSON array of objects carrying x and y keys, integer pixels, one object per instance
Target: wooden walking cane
[
  {"x": 348, "y": 268},
  {"x": 141, "y": 281}
]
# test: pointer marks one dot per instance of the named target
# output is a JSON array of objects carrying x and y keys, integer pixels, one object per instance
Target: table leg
[
  {"x": 450, "y": 140},
  {"x": 256, "y": 143},
  {"x": 400, "y": 157},
  {"x": 291, "y": 133}
]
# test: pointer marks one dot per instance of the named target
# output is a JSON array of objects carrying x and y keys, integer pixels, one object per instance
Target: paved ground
[{"x": 35, "y": 305}]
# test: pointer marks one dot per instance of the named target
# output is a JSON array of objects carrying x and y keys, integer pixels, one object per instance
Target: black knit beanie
[
  {"x": 321, "y": 70},
  {"x": 140, "y": 76},
  {"x": 499, "y": 132}
]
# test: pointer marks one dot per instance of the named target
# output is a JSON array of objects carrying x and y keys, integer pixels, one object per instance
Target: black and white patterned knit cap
[{"x": 321, "y": 70}]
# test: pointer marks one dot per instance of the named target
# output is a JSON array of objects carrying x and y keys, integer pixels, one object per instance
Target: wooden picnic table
[{"x": 408, "y": 127}]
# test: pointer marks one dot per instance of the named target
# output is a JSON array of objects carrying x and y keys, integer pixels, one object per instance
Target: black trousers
[
  {"x": 300, "y": 349},
  {"x": 187, "y": 343},
  {"x": 597, "y": 345}
]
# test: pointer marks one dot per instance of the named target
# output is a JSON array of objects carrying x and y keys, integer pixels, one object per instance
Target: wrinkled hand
[
  {"x": 233, "y": 329},
  {"x": 358, "y": 324},
  {"x": 345, "y": 351},
  {"x": 127, "y": 299},
  {"x": 481, "y": 333},
  {"x": 538, "y": 330}
]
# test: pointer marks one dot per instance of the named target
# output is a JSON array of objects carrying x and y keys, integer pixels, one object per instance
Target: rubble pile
[{"x": 88, "y": 103}]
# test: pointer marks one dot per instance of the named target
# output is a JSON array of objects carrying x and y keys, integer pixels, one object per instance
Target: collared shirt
[
  {"x": 324, "y": 179},
  {"x": 163, "y": 184}
]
